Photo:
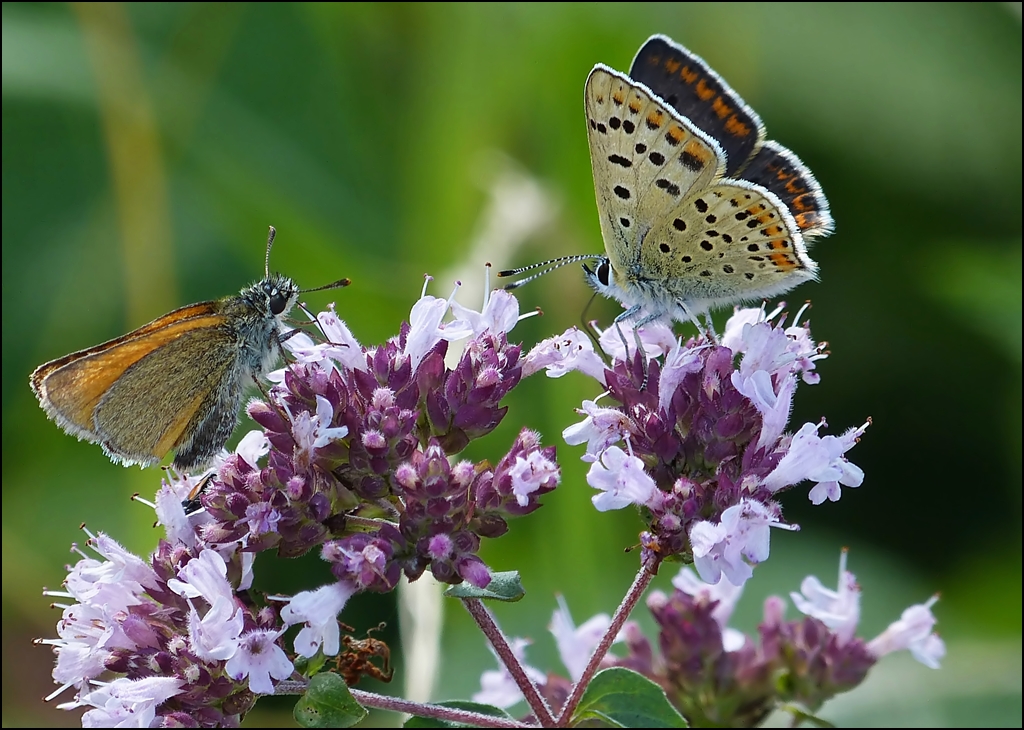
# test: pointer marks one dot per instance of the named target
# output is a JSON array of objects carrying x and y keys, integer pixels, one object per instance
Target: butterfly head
[
  {"x": 601, "y": 278},
  {"x": 274, "y": 296}
]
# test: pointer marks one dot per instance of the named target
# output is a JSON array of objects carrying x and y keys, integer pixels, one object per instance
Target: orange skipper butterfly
[{"x": 176, "y": 383}]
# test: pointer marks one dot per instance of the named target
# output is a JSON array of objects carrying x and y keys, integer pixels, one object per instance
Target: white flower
[
  {"x": 114, "y": 581},
  {"x": 318, "y": 610},
  {"x": 259, "y": 658},
  {"x": 571, "y": 350},
  {"x": 914, "y": 632},
  {"x": 743, "y": 317},
  {"x": 820, "y": 460},
  {"x": 170, "y": 511},
  {"x": 214, "y": 637},
  {"x": 576, "y": 644},
  {"x": 497, "y": 686},
  {"x": 126, "y": 702},
  {"x": 773, "y": 407},
  {"x": 340, "y": 347},
  {"x": 601, "y": 428},
  {"x": 87, "y": 634},
  {"x": 499, "y": 315},
  {"x": 253, "y": 447},
  {"x": 203, "y": 577},
  {"x": 772, "y": 348},
  {"x": 679, "y": 362},
  {"x": 175, "y": 493},
  {"x": 622, "y": 480},
  {"x": 720, "y": 548},
  {"x": 838, "y": 609},
  {"x": 806, "y": 350},
  {"x": 90, "y": 629},
  {"x": 619, "y": 341},
  {"x": 530, "y": 474},
  {"x": 315, "y": 432},
  {"x": 426, "y": 329}
]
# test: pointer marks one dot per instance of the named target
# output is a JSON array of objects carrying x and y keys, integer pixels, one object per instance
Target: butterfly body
[
  {"x": 697, "y": 210},
  {"x": 176, "y": 383}
]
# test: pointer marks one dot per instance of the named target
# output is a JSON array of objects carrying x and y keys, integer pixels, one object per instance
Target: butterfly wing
[
  {"x": 735, "y": 241},
  {"x": 646, "y": 159},
  {"x": 687, "y": 84},
  {"x": 184, "y": 395},
  {"x": 116, "y": 393},
  {"x": 684, "y": 81},
  {"x": 778, "y": 170}
]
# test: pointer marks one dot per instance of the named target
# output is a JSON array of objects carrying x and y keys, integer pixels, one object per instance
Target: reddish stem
[
  {"x": 640, "y": 583},
  {"x": 501, "y": 646}
]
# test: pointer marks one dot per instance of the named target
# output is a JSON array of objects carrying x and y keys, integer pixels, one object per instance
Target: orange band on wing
[
  {"x": 75, "y": 384},
  {"x": 172, "y": 436}
]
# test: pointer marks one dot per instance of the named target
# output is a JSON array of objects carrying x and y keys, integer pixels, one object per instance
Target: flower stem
[
  {"x": 395, "y": 704},
  {"x": 490, "y": 629},
  {"x": 450, "y": 714},
  {"x": 640, "y": 583},
  {"x": 365, "y": 524}
]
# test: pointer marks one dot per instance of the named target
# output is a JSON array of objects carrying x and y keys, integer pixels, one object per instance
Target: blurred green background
[{"x": 146, "y": 148}]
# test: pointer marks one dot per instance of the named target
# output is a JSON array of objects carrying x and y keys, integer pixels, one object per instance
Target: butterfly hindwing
[
  {"x": 779, "y": 170},
  {"x": 731, "y": 242}
]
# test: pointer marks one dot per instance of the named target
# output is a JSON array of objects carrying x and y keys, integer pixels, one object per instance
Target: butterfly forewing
[
  {"x": 646, "y": 160},
  {"x": 73, "y": 385},
  {"x": 686, "y": 83}
]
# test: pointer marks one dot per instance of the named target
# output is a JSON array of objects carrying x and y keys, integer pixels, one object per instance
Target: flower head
[{"x": 705, "y": 428}]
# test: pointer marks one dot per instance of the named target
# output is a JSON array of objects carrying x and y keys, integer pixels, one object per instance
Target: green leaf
[
  {"x": 503, "y": 587},
  {"x": 426, "y": 722},
  {"x": 328, "y": 703},
  {"x": 622, "y": 698},
  {"x": 309, "y": 666}
]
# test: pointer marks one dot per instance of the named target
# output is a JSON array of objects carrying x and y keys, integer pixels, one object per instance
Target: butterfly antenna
[
  {"x": 270, "y": 242},
  {"x": 547, "y": 266},
  {"x": 333, "y": 285}
]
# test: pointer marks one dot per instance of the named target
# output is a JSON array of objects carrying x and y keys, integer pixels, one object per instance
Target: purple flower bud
[{"x": 440, "y": 547}]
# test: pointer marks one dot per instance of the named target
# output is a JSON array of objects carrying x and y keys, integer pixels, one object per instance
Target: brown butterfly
[{"x": 176, "y": 383}]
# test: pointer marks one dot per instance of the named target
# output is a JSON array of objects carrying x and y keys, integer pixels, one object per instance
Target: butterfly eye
[
  {"x": 604, "y": 273},
  {"x": 277, "y": 299}
]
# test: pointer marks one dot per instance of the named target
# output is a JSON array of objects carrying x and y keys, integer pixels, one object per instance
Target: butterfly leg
[
  {"x": 628, "y": 314},
  {"x": 705, "y": 328},
  {"x": 636, "y": 338}
]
